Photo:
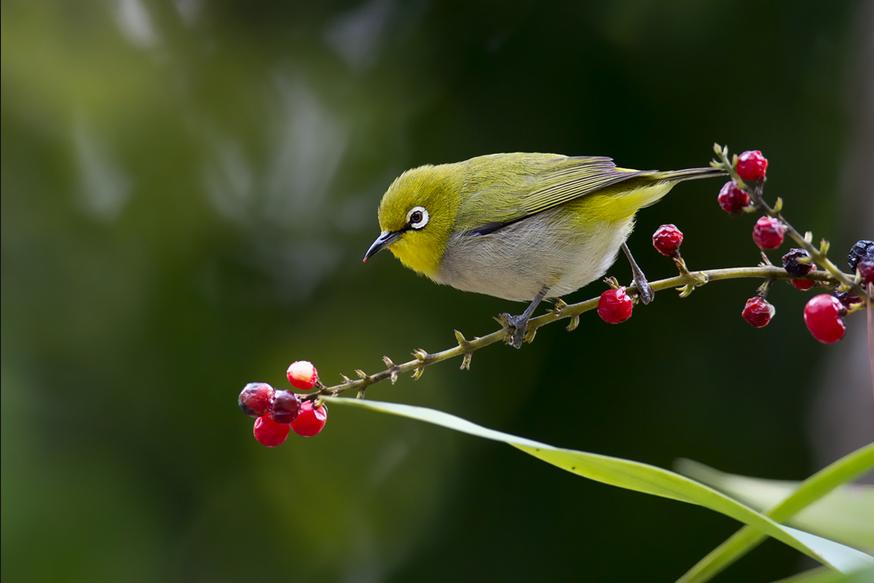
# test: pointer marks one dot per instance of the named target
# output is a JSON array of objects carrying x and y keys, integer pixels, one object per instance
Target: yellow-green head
[{"x": 416, "y": 217}]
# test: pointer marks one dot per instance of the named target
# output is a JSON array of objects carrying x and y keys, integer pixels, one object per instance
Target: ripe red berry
[
  {"x": 732, "y": 199},
  {"x": 302, "y": 375},
  {"x": 768, "y": 233},
  {"x": 311, "y": 420},
  {"x": 866, "y": 271},
  {"x": 286, "y": 406},
  {"x": 822, "y": 315},
  {"x": 268, "y": 432},
  {"x": 667, "y": 240},
  {"x": 758, "y": 312},
  {"x": 751, "y": 166},
  {"x": 615, "y": 306},
  {"x": 803, "y": 284},
  {"x": 255, "y": 399}
]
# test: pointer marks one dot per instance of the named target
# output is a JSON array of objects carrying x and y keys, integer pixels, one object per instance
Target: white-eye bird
[{"x": 520, "y": 226}]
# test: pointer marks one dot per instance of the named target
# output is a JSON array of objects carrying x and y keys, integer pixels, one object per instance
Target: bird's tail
[{"x": 689, "y": 174}]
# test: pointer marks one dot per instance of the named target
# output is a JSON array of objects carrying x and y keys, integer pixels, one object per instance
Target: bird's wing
[{"x": 516, "y": 186}]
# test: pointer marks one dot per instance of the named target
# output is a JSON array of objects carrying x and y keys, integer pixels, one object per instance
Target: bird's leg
[
  {"x": 644, "y": 292},
  {"x": 518, "y": 325}
]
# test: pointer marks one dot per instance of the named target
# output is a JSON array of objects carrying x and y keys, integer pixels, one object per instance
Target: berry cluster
[
  {"x": 823, "y": 314},
  {"x": 278, "y": 412}
]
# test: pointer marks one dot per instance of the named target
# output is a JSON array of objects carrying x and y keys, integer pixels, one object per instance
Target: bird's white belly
[{"x": 517, "y": 261}]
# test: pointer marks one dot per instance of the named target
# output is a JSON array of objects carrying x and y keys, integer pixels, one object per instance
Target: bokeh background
[{"x": 188, "y": 188}]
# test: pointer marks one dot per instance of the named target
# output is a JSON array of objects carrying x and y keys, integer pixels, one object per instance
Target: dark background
[{"x": 188, "y": 188}]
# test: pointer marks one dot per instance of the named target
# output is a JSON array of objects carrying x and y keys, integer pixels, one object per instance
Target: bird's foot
[
  {"x": 517, "y": 326},
  {"x": 644, "y": 291}
]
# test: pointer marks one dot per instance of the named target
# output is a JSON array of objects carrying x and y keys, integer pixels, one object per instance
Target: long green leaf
[
  {"x": 811, "y": 490},
  {"x": 845, "y": 514},
  {"x": 825, "y": 575},
  {"x": 634, "y": 476}
]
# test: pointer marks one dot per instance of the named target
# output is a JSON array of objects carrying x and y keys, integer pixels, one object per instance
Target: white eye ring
[{"x": 417, "y": 217}]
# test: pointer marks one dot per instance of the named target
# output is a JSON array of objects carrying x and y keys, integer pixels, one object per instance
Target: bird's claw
[
  {"x": 644, "y": 291},
  {"x": 517, "y": 326}
]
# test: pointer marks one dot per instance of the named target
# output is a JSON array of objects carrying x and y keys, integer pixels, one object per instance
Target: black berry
[
  {"x": 862, "y": 250},
  {"x": 797, "y": 262}
]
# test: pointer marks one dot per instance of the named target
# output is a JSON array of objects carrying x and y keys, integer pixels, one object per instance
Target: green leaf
[
  {"x": 825, "y": 575},
  {"x": 808, "y": 492},
  {"x": 634, "y": 476},
  {"x": 845, "y": 514}
]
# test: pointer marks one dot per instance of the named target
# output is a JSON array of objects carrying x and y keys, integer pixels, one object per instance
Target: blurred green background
[{"x": 188, "y": 188}]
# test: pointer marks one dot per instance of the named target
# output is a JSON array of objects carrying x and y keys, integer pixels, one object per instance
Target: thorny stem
[{"x": 465, "y": 348}]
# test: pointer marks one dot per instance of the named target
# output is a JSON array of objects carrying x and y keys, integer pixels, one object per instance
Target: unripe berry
[
  {"x": 822, "y": 316},
  {"x": 286, "y": 406},
  {"x": 861, "y": 251},
  {"x": 866, "y": 271},
  {"x": 803, "y": 284},
  {"x": 311, "y": 420},
  {"x": 768, "y": 233},
  {"x": 615, "y": 306},
  {"x": 667, "y": 240},
  {"x": 797, "y": 262},
  {"x": 751, "y": 166},
  {"x": 732, "y": 199},
  {"x": 758, "y": 312},
  {"x": 268, "y": 432},
  {"x": 302, "y": 375},
  {"x": 255, "y": 399}
]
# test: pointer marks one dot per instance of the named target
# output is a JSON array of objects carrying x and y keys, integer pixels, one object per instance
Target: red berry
[
  {"x": 667, "y": 240},
  {"x": 803, "y": 284},
  {"x": 268, "y": 432},
  {"x": 758, "y": 312},
  {"x": 751, "y": 166},
  {"x": 255, "y": 399},
  {"x": 732, "y": 199},
  {"x": 614, "y": 306},
  {"x": 302, "y": 375},
  {"x": 311, "y": 420},
  {"x": 286, "y": 406},
  {"x": 866, "y": 271},
  {"x": 822, "y": 315},
  {"x": 768, "y": 233}
]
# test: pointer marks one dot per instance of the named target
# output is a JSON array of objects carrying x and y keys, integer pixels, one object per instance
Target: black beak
[{"x": 384, "y": 240}]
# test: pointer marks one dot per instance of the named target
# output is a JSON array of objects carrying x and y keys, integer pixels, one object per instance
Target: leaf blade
[
  {"x": 618, "y": 472},
  {"x": 814, "y": 488}
]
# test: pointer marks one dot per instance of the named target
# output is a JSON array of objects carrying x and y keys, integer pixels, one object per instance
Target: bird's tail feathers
[{"x": 689, "y": 174}]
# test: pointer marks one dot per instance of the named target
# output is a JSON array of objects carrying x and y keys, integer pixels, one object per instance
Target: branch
[
  {"x": 819, "y": 255},
  {"x": 685, "y": 282}
]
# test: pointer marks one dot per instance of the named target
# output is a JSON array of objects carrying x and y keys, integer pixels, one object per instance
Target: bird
[{"x": 520, "y": 226}]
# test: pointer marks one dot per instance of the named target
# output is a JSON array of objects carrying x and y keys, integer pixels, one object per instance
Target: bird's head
[{"x": 417, "y": 215}]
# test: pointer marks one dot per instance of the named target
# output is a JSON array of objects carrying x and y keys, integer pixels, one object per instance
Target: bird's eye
[{"x": 417, "y": 217}]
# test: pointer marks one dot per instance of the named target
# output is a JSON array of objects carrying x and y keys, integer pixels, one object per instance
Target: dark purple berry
[
  {"x": 255, "y": 399},
  {"x": 797, "y": 262},
  {"x": 862, "y": 250},
  {"x": 286, "y": 406}
]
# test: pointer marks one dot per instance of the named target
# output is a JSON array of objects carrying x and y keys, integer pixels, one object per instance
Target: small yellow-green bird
[{"x": 520, "y": 226}]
